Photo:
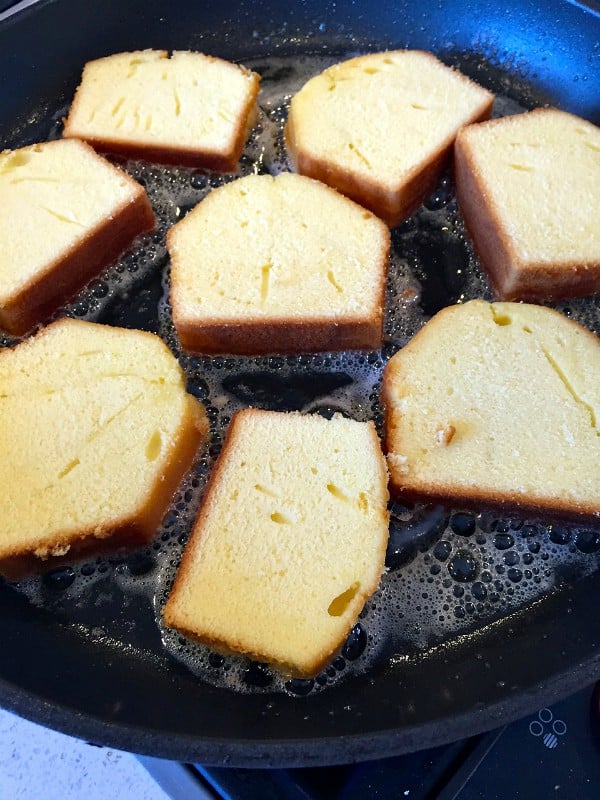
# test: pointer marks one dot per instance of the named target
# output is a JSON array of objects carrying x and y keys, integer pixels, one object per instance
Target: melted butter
[{"x": 424, "y": 599}]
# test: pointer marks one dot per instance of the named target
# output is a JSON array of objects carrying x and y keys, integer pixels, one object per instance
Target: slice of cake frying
[
  {"x": 289, "y": 542},
  {"x": 97, "y": 431},
  {"x": 497, "y": 404},
  {"x": 278, "y": 265},
  {"x": 529, "y": 189},
  {"x": 187, "y": 108},
  {"x": 380, "y": 127},
  {"x": 66, "y": 215}
]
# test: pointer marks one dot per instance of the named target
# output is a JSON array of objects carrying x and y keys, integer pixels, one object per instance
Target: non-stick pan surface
[{"x": 97, "y": 667}]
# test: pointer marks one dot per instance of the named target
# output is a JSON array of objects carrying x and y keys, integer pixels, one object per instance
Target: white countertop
[{"x": 39, "y": 764}]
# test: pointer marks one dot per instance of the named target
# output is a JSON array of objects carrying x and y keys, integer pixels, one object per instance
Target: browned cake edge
[
  {"x": 407, "y": 490},
  {"x": 49, "y": 290},
  {"x": 510, "y": 277},
  {"x": 132, "y": 531},
  {"x": 223, "y": 161},
  {"x": 280, "y": 337},
  {"x": 391, "y": 204},
  {"x": 170, "y": 616}
]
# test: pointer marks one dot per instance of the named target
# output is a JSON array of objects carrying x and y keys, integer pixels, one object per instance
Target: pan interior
[{"x": 459, "y": 583}]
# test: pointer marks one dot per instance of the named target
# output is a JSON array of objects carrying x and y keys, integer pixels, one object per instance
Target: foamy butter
[{"x": 448, "y": 574}]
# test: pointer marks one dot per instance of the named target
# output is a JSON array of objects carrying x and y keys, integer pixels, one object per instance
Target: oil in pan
[{"x": 449, "y": 573}]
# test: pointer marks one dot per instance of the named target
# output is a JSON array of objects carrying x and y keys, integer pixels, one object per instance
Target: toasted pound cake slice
[
  {"x": 289, "y": 542},
  {"x": 66, "y": 214},
  {"x": 187, "y": 108},
  {"x": 497, "y": 404},
  {"x": 529, "y": 189},
  {"x": 278, "y": 265},
  {"x": 97, "y": 431},
  {"x": 380, "y": 127}
]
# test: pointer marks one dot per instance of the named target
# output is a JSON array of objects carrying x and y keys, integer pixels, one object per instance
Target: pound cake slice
[
  {"x": 97, "y": 431},
  {"x": 497, "y": 404},
  {"x": 185, "y": 108},
  {"x": 529, "y": 189},
  {"x": 289, "y": 542},
  {"x": 380, "y": 127},
  {"x": 66, "y": 214},
  {"x": 278, "y": 265}
]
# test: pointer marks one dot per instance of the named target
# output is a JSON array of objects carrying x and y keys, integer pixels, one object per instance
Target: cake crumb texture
[
  {"x": 497, "y": 404},
  {"x": 183, "y": 108},
  {"x": 529, "y": 189},
  {"x": 97, "y": 431},
  {"x": 380, "y": 127},
  {"x": 66, "y": 215},
  {"x": 278, "y": 265},
  {"x": 290, "y": 540}
]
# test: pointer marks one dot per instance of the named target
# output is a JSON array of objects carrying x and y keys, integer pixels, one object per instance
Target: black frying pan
[{"x": 87, "y": 670}]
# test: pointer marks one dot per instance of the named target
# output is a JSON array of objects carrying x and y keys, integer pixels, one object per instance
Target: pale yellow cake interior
[
  {"x": 383, "y": 115},
  {"x": 277, "y": 248},
  {"x": 187, "y": 100},
  {"x": 89, "y": 417},
  {"x": 291, "y": 541},
  {"x": 52, "y": 196},
  {"x": 499, "y": 398},
  {"x": 542, "y": 173}
]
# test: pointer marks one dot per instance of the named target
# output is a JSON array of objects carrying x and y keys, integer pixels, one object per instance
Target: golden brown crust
[
  {"x": 407, "y": 488},
  {"x": 49, "y": 290},
  {"x": 510, "y": 277},
  {"x": 192, "y": 433},
  {"x": 284, "y": 337},
  {"x": 116, "y": 529},
  {"x": 392, "y": 204},
  {"x": 276, "y": 334},
  {"x": 509, "y": 502},
  {"x": 190, "y": 555},
  {"x": 211, "y": 487},
  {"x": 311, "y": 670},
  {"x": 174, "y": 156},
  {"x": 225, "y": 161},
  {"x": 481, "y": 218}
]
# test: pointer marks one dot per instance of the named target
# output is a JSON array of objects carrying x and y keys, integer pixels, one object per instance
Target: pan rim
[
  {"x": 295, "y": 752},
  {"x": 314, "y": 751}
]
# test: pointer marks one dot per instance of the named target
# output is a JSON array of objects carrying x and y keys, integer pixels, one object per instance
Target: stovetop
[{"x": 552, "y": 754}]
